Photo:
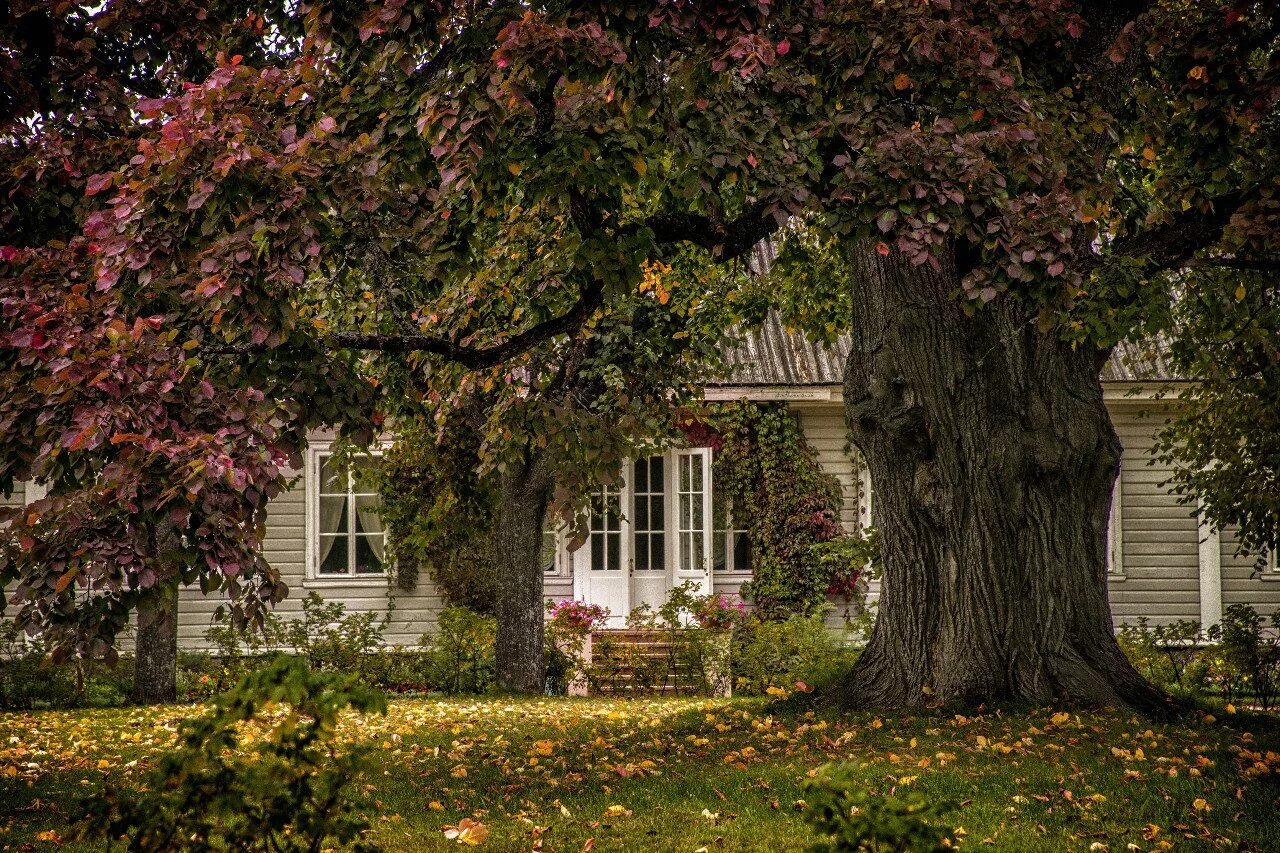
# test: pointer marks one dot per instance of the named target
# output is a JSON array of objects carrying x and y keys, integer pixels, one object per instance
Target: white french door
[
  {"x": 692, "y": 491},
  {"x": 602, "y": 566},
  {"x": 650, "y": 526}
]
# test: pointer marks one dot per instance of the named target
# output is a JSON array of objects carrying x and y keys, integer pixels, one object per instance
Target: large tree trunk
[
  {"x": 519, "y": 601},
  {"x": 155, "y": 675},
  {"x": 993, "y": 459}
]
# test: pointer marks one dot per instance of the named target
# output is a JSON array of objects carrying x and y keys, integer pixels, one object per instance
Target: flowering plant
[
  {"x": 576, "y": 617},
  {"x": 718, "y": 612}
]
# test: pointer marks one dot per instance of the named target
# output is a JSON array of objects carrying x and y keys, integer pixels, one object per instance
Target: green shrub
[
  {"x": 460, "y": 659},
  {"x": 1170, "y": 655},
  {"x": 850, "y": 819},
  {"x": 802, "y": 649},
  {"x": 30, "y": 680},
  {"x": 288, "y": 790},
  {"x": 326, "y": 635},
  {"x": 1248, "y": 655}
]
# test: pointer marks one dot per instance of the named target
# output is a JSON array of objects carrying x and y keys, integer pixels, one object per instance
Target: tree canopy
[{"x": 196, "y": 183}]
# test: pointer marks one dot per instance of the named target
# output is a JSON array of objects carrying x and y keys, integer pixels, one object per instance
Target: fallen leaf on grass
[{"x": 468, "y": 831}]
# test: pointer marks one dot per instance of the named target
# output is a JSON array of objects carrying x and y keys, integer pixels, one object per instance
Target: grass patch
[{"x": 685, "y": 774}]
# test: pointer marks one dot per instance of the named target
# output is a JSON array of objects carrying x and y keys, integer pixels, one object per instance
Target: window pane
[
  {"x": 333, "y": 477},
  {"x": 741, "y": 551},
  {"x": 640, "y": 513},
  {"x": 614, "y": 557},
  {"x": 365, "y": 469},
  {"x": 369, "y": 555},
  {"x": 333, "y": 514},
  {"x": 597, "y": 552},
  {"x": 333, "y": 555},
  {"x": 718, "y": 555},
  {"x": 658, "y": 555},
  {"x": 695, "y": 517},
  {"x": 367, "y": 518},
  {"x": 548, "y": 552}
]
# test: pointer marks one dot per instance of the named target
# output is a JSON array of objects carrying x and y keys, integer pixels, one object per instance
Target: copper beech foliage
[{"x": 227, "y": 220}]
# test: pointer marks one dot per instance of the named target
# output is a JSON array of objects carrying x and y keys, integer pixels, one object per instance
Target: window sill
[
  {"x": 360, "y": 582},
  {"x": 1269, "y": 577},
  {"x": 1116, "y": 577}
]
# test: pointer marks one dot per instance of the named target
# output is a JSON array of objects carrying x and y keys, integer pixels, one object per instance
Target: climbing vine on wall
[
  {"x": 783, "y": 499},
  {"x": 437, "y": 513}
]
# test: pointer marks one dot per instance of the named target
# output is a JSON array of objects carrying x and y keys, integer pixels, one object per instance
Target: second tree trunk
[{"x": 519, "y": 601}]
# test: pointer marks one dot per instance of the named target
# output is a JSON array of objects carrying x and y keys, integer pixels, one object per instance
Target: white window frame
[
  {"x": 311, "y": 529},
  {"x": 728, "y": 537},
  {"x": 702, "y": 457}
]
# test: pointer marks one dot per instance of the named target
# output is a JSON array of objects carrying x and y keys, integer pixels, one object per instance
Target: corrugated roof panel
[{"x": 770, "y": 355}]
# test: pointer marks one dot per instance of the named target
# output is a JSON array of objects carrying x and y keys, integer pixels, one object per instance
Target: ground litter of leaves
[{"x": 690, "y": 775}]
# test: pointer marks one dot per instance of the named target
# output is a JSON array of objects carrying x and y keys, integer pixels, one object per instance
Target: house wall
[
  {"x": 412, "y": 613},
  {"x": 1161, "y": 544},
  {"x": 1244, "y": 581}
]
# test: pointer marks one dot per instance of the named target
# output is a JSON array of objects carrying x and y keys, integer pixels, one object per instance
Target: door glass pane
[
  {"x": 647, "y": 521},
  {"x": 613, "y": 557},
  {"x": 597, "y": 553}
]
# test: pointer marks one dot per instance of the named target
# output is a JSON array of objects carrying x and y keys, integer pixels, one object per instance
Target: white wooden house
[{"x": 325, "y": 536}]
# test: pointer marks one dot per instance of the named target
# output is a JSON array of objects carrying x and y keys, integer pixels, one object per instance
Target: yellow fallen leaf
[
  {"x": 468, "y": 831},
  {"x": 1200, "y": 804},
  {"x": 617, "y": 811},
  {"x": 436, "y": 806}
]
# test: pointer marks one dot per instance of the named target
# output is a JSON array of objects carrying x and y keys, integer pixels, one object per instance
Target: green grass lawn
[{"x": 687, "y": 774}]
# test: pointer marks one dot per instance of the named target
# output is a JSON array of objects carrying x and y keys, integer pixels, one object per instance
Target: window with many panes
[
  {"x": 648, "y": 514},
  {"x": 730, "y": 545},
  {"x": 606, "y": 531},
  {"x": 691, "y": 523},
  {"x": 350, "y": 541}
]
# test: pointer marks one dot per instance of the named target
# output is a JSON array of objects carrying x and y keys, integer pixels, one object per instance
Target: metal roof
[{"x": 771, "y": 355}]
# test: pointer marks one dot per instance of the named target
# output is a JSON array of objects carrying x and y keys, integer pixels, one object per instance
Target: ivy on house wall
[
  {"x": 782, "y": 498},
  {"x": 438, "y": 514}
]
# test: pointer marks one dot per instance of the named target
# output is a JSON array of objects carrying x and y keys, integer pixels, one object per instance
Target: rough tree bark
[
  {"x": 518, "y": 604},
  {"x": 993, "y": 459},
  {"x": 155, "y": 675}
]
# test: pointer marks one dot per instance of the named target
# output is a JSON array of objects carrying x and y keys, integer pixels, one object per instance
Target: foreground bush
[
  {"x": 261, "y": 773},
  {"x": 850, "y": 819}
]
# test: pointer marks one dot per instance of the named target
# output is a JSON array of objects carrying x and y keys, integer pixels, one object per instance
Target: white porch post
[{"x": 1210, "y": 572}]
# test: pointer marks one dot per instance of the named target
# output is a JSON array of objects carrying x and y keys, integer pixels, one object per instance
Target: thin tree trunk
[
  {"x": 155, "y": 676},
  {"x": 993, "y": 459},
  {"x": 518, "y": 652}
]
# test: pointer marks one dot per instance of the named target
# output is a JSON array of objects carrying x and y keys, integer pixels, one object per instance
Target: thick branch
[
  {"x": 478, "y": 358},
  {"x": 724, "y": 240},
  {"x": 1174, "y": 242},
  {"x": 474, "y": 358}
]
